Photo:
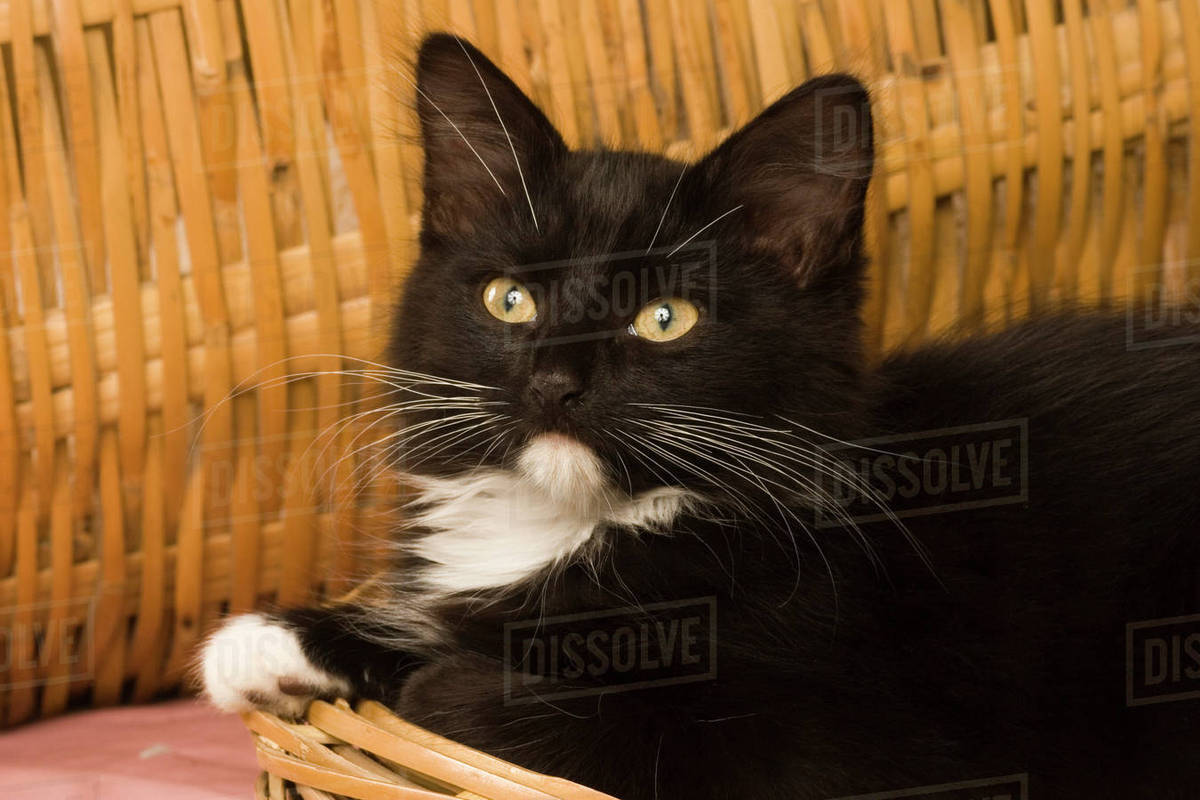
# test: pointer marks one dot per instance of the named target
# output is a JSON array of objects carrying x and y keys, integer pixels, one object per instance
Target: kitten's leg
[{"x": 281, "y": 662}]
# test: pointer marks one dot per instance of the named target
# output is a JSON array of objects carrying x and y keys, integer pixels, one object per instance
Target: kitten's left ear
[
  {"x": 486, "y": 143},
  {"x": 800, "y": 172}
]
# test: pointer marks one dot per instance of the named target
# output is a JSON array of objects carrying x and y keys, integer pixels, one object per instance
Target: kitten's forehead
[
  {"x": 616, "y": 191},
  {"x": 612, "y": 219}
]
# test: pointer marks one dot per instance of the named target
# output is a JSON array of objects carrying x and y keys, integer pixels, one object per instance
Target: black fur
[{"x": 837, "y": 673}]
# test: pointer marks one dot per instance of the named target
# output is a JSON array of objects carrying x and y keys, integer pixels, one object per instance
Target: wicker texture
[
  {"x": 371, "y": 754},
  {"x": 195, "y": 190}
]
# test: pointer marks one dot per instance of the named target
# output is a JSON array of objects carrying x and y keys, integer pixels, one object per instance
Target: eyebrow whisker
[
  {"x": 702, "y": 230},
  {"x": 517, "y": 161},
  {"x": 462, "y": 135},
  {"x": 666, "y": 208}
]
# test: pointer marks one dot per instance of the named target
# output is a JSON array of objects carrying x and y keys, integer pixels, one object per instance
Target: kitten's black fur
[{"x": 1007, "y": 657}]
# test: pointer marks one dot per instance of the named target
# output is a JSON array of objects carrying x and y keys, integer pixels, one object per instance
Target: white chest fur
[{"x": 492, "y": 528}]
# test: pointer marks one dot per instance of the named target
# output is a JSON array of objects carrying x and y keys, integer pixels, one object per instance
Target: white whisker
[
  {"x": 679, "y": 246},
  {"x": 517, "y": 161},
  {"x": 779, "y": 451},
  {"x": 667, "y": 207},
  {"x": 456, "y": 130}
]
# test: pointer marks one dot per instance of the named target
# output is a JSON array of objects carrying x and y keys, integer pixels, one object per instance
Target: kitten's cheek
[{"x": 254, "y": 662}]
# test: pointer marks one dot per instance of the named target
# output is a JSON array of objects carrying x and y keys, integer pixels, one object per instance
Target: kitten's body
[
  {"x": 1016, "y": 665},
  {"x": 841, "y": 670}
]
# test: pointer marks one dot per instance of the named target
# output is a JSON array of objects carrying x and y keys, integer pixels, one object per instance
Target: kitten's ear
[
  {"x": 800, "y": 172},
  {"x": 485, "y": 141}
]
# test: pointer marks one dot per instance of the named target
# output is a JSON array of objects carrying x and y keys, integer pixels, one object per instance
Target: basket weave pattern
[
  {"x": 196, "y": 191},
  {"x": 369, "y": 753}
]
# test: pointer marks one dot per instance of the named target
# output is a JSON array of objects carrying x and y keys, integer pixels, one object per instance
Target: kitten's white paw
[{"x": 254, "y": 662}]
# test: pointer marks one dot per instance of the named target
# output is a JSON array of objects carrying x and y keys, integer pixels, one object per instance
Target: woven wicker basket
[
  {"x": 198, "y": 190},
  {"x": 370, "y": 753}
]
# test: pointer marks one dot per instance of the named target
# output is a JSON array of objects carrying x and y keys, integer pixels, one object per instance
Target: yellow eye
[
  {"x": 508, "y": 300},
  {"x": 664, "y": 320}
]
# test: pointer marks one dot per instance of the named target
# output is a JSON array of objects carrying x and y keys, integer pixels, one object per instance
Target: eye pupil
[
  {"x": 663, "y": 315},
  {"x": 511, "y": 298}
]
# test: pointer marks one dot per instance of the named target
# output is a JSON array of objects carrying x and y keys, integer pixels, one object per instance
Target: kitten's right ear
[
  {"x": 797, "y": 175},
  {"x": 486, "y": 143}
]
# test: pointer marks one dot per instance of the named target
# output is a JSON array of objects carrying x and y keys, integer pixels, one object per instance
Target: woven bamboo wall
[{"x": 195, "y": 190}]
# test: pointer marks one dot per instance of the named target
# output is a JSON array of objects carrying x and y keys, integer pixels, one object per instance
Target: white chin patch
[{"x": 565, "y": 470}]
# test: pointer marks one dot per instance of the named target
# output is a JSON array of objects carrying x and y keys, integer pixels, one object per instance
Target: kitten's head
[{"x": 615, "y": 303}]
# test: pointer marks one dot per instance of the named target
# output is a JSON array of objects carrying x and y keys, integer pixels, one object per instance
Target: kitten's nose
[{"x": 556, "y": 388}]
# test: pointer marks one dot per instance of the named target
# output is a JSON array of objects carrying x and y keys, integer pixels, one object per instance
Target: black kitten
[{"x": 644, "y": 553}]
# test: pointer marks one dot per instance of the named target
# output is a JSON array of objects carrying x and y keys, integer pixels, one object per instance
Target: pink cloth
[{"x": 182, "y": 750}]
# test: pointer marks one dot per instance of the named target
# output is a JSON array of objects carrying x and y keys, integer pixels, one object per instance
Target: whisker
[
  {"x": 517, "y": 161},
  {"x": 455, "y": 437},
  {"x": 768, "y": 459},
  {"x": 679, "y": 246},
  {"x": 403, "y": 434},
  {"x": 783, "y": 509},
  {"x": 748, "y": 510},
  {"x": 776, "y": 446},
  {"x": 384, "y": 374},
  {"x": 761, "y": 448},
  {"x": 456, "y": 129},
  {"x": 393, "y": 410},
  {"x": 716, "y": 413},
  {"x": 667, "y": 207},
  {"x": 493, "y": 442}
]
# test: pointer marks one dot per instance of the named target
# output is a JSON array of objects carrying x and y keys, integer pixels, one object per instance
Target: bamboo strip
[
  {"x": 867, "y": 57},
  {"x": 1014, "y": 275},
  {"x": 1081, "y": 162},
  {"x": 21, "y": 600},
  {"x": 10, "y": 448},
  {"x": 148, "y": 639},
  {"x": 75, "y": 76},
  {"x": 963, "y": 50},
  {"x": 122, "y": 254},
  {"x": 125, "y": 52},
  {"x": 109, "y": 619},
  {"x": 913, "y": 110},
  {"x": 167, "y": 303},
  {"x": 54, "y": 669},
  {"x": 1050, "y": 152},
  {"x": 1149, "y": 274},
  {"x": 30, "y": 129},
  {"x": 72, "y": 277},
  {"x": 270, "y": 332}
]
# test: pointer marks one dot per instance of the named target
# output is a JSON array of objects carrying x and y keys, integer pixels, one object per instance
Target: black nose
[{"x": 556, "y": 388}]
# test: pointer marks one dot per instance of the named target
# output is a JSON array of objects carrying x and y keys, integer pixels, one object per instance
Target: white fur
[
  {"x": 490, "y": 528},
  {"x": 564, "y": 470},
  {"x": 247, "y": 657}
]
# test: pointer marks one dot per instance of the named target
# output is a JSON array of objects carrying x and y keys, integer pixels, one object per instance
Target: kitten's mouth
[{"x": 564, "y": 468}]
